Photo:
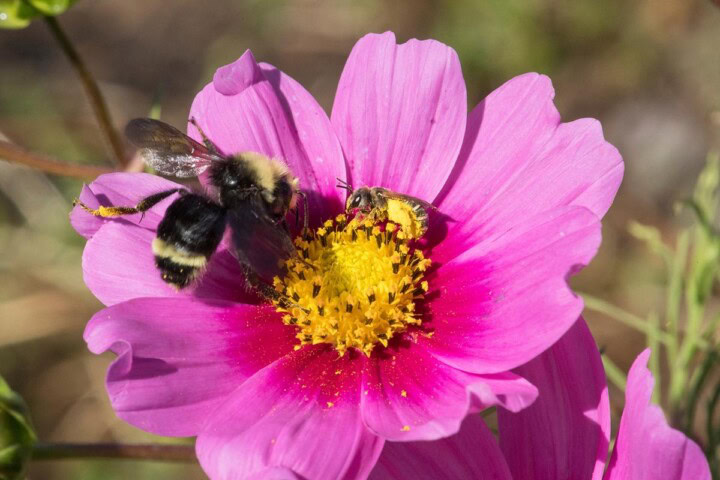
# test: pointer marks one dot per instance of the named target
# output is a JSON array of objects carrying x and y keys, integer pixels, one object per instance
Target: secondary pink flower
[
  {"x": 520, "y": 195},
  {"x": 565, "y": 434}
]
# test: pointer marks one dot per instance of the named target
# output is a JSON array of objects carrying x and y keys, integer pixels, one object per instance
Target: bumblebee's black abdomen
[
  {"x": 175, "y": 273},
  {"x": 187, "y": 236}
]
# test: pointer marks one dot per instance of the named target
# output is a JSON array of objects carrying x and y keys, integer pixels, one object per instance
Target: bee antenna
[{"x": 343, "y": 184}]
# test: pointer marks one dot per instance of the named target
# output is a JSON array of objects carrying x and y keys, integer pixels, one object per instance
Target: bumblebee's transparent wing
[
  {"x": 258, "y": 241},
  {"x": 168, "y": 150}
]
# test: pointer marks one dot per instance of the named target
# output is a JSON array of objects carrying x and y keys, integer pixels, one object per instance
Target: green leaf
[
  {"x": 16, "y": 14},
  {"x": 16, "y": 434},
  {"x": 51, "y": 7}
]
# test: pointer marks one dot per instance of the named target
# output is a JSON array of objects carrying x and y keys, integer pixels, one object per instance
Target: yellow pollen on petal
[{"x": 354, "y": 285}]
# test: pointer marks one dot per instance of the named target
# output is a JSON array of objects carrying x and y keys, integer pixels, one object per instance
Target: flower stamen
[{"x": 354, "y": 284}]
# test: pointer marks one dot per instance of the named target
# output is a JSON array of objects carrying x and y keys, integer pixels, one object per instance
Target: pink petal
[
  {"x": 400, "y": 114},
  {"x": 506, "y": 300},
  {"x": 518, "y": 160},
  {"x": 274, "y": 473},
  {"x": 565, "y": 433},
  {"x": 118, "y": 265},
  {"x": 125, "y": 189},
  {"x": 472, "y": 453},
  {"x": 410, "y": 395},
  {"x": 301, "y": 414},
  {"x": 249, "y": 107},
  {"x": 646, "y": 446},
  {"x": 179, "y": 359}
]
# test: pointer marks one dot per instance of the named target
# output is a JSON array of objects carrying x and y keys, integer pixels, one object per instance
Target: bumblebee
[
  {"x": 382, "y": 204},
  {"x": 253, "y": 193}
]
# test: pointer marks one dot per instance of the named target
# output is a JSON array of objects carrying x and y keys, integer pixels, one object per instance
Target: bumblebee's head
[{"x": 360, "y": 199}]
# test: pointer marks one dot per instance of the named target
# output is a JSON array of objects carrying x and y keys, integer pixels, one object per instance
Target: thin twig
[
  {"x": 93, "y": 92},
  {"x": 153, "y": 452},
  {"x": 13, "y": 153}
]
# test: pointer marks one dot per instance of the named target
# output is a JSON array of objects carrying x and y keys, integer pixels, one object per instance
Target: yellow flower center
[{"x": 353, "y": 285}]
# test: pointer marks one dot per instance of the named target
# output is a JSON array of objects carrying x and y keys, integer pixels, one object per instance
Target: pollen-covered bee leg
[
  {"x": 208, "y": 143},
  {"x": 116, "y": 211}
]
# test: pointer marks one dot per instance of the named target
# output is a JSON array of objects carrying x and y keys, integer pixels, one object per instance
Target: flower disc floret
[{"x": 354, "y": 284}]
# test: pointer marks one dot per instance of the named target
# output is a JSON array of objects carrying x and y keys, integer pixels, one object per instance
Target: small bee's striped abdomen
[{"x": 422, "y": 217}]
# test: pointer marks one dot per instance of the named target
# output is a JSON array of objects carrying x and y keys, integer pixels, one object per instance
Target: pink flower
[
  {"x": 521, "y": 194},
  {"x": 565, "y": 434}
]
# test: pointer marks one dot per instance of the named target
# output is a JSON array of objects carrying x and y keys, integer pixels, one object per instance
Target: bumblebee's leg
[
  {"x": 143, "y": 206},
  {"x": 187, "y": 236},
  {"x": 208, "y": 143},
  {"x": 306, "y": 212},
  {"x": 267, "y": 291}
]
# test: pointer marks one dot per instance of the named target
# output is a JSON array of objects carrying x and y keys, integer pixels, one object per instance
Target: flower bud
[
  {"x": 16, "y": 434},
  {"x": 19, "y": 13}
]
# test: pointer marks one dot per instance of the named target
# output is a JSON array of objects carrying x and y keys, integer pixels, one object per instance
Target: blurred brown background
[{"x": 648, "y": 69}]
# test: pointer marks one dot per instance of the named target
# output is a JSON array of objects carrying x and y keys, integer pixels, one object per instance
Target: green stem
[
  {"x": 91, "y": 88},
  {"x": 674, "y": 293},
  {"x": 698, "y": 383},
  {"x": 627, "y": 318},
  {"x": 711, "y": 328},
  {"x": 695, "y": 299},
  {"x": 153, "y": 452},
  {"x": 652, "y": 341},
  {"x": 713, "y": 434},
  {"x": 614, "y": 374}
]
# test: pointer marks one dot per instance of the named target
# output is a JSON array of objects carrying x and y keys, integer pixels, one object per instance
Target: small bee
[
  {"x": 382, "y": 204},
  {"x": 254, "y": 193}
]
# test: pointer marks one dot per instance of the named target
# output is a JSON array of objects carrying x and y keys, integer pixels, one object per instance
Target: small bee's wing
[
  {"x": 417, "y": 208},
  {"x": 258, "y": 241},
  {"x": 406, "y": 198},
  {"x": 168, "y": 150}
]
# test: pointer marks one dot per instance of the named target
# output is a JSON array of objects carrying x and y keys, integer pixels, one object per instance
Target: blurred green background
[{"x": 648, "y": 69}]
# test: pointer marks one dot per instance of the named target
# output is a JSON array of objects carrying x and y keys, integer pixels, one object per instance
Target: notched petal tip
[
  {"x": 235, "y": 77},
  {"x": 386, "y": 35},
  {"x": 406, "y": 143}
]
